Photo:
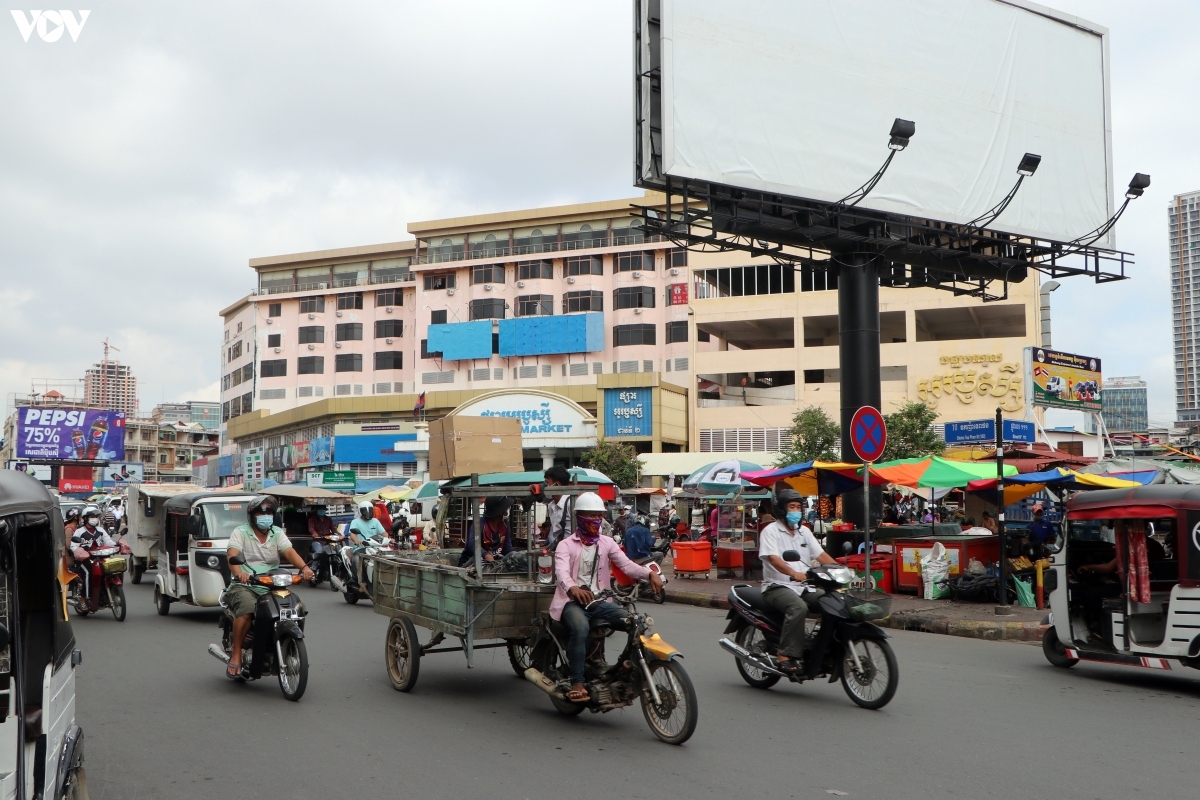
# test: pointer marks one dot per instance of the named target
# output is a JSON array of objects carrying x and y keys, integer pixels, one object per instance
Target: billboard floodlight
[
  {"x": 902, "y": 131},
  {"x": 1029, "y": 164},
  {"x": 1139, "y": 184}
]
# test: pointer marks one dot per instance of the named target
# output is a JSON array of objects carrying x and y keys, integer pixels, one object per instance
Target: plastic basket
[
  {"x": 112, "y": 566},
  {"x": 863, "y": 606}
]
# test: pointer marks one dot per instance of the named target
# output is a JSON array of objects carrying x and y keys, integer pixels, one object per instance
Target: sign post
[
  {"x": 1003, "y": 608},
  {"x": 868, "y": 435}
]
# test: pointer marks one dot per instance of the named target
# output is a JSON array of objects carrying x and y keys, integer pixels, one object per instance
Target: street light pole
[{"x": 1003, "y": 609}]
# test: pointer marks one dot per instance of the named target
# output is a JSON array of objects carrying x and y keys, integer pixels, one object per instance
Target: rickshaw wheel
[
  {"x": 402, "y": 655},
  {"x": 1055, "y": 652},
  {"x": 136, "y": 571},
  {"x": 161, "y": 602}
]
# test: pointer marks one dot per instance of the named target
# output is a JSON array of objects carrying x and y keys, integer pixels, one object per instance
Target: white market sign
[{"x": 546, "y": 419}]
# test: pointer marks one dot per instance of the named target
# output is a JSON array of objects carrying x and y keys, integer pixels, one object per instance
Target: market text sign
[
  {"x": 1064, "y": 380},
  {"x": 61, "y": 434},
  {"x": 628, "y": 412},
  {"x": 533, "y": 420}
]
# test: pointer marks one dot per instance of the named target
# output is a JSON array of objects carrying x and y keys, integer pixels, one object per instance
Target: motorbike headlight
[
  {"x": 213, "y": 562},
  {"x": 281, "y": 580},
  {"x": 841, "y": 574}
]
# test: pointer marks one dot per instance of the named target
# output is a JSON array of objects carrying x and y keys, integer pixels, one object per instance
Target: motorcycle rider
[
  {"x": 638, "y": 541},
  {"x": 262, "y": 544},
  {"x": 781, "y": 588},
  {"x": 320, "y": 528},
  {"x": 582, "y": 568},
  {"x": 83, "y": 541},
  {"x": 497, "y": 538},
  {"x": 365, "y": 531}
]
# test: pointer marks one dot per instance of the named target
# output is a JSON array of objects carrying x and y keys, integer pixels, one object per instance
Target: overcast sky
[{"x": 142, "y": 165}]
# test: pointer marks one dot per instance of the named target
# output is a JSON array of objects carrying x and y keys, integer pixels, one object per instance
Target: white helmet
[
  {"x": 365, "y": 505},
  {"x": 589, "y": 501}
]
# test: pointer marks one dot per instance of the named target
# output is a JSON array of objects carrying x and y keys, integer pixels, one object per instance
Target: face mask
[
  {"x": 793, "y": 518},
  {"x": 589, "y": 529},
  {"x": 321, "y": 512},
  {"x": 93, "y": 521},
  {"x": 263, "y": 521}
]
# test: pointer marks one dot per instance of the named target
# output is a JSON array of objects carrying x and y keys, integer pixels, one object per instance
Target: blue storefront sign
[
  {"x": 628, "y": 412},
  {"x": 375, "y": 448}
]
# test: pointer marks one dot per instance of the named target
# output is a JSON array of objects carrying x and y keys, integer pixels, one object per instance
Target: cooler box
[
  {"x": 730, "y": 557},
  {"x": 691, "y": 556},
  {"x": 881, "y": 569}
]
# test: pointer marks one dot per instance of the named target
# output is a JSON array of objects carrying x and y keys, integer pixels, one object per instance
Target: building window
[
  {"x": 349, "y": 332},
  {"x": 389, "y": 359},
  {"x": 347, "y": 362},
  {"x": 444, "y": 280},
  {"x": 633, "y": 334},
  {"x": 275, "y": 310},
  {"x": 389, "y": 297},
  {"x": 746, "y": 281},
  {"x": 310, "y": 365},
  {"x": 312, "y": 305},
  {"x": 387, "y": 328},
  {"x": 437, "y": 317},
  {"x": 350, "y": 300},
  {"x": 276, "y": 368},
  {"x": 633, "y": 297},
  {"x": 487, "y": 273},
  {"x": 628, "y": 262},
  {"x": 425, "y": 351},
  {"x": 247, "y": 402},
  {"x": 235, "y": 352},
  {"x": 535, "y": 270},
  {"x": 274, "y": 339},
  {"x": 679, "y": 257},
  {"x": 582, "y": 301},
  {"x": 677, "y": 331},
  {"x": 703, "y": 336},
  {"x": 583, "y": 265},
  {"x": 311, "y": 334},
  {"x": 535, "y": 305},
  {"x": 487, "y": 309}
]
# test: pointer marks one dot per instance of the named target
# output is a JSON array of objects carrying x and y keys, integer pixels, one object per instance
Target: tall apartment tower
[
  {"x": 1183, "y": 219},
  {"x": 111, "y": 385}
]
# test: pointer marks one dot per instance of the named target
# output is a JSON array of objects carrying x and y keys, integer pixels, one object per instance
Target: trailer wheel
[{"x": 402, "y": 654}]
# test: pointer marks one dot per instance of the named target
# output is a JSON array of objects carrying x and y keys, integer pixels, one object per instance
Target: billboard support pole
[
  {"x": 858, "y": 351},
  {"x": 1003, "y": 608}
]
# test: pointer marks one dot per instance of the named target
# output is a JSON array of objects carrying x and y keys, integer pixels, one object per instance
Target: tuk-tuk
[
  {"x": 1124, "y": 583},
  {"x": 41, "y": 746},
  {"x": 192, "y": 566},
  {"x": 145, "y": 518}
]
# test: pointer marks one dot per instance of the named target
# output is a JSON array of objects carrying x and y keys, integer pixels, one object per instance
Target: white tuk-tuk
[
  {"x": 145, "y": 519},
  {"x": 192, "y": 565},
  {"x": 41, "y": 746}
]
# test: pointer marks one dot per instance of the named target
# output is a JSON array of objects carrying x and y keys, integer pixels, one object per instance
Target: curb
[{"x": 907, "y": 621}]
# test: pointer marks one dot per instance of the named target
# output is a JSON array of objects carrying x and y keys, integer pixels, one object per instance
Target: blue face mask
[
  {"x": 263, "y": 522},
  {"x": 321, "y": 512},
  {"x": 794, "y": 517}
]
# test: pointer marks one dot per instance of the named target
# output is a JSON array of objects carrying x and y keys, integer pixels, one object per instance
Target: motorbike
[
  {"x": 648, "y": 669},
  {"x": 351, "y": 579},
  {"x": 275, "y": 643},
  {"x": 841, "y": 643},
  {"x": 105, "y": 571},
  {"x": 322, "y": 564},
  {"x": 654, "y": 562}
]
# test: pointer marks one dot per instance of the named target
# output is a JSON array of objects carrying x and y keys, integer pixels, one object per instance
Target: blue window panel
[
  {"x": 540, "y": 336},
  {"x": 457, "y": 341}
]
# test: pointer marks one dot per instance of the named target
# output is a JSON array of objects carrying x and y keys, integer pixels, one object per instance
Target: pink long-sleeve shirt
[{"x": 566, "y": 568}]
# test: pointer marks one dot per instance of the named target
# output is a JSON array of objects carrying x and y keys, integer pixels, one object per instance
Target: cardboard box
[{"x": 460, "y": 446}]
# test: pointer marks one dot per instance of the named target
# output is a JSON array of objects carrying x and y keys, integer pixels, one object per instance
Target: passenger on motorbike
[
  {"x": 497, "y": 538},
  {"x": 780, "y": 585},
  {"x": 582, "y": 568},
  {"x": 85, "y": 539},
  {"x": 262, "y": 544},
  {"x": 639, "y": 542}
]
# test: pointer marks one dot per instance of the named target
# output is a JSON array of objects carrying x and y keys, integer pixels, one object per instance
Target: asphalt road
[{"x": 971, "y": 719}]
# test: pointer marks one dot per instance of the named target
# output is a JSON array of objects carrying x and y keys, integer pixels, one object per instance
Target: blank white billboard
[{"x": 796, "y": 97}]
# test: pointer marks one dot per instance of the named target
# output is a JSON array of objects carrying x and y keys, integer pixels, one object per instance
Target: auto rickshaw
[
  {"x": 41, "y": 746},
  {"x": 192, "y": 566},
  {"x": 144, "y": 519},
  {"x": 1124, "y": 583}
]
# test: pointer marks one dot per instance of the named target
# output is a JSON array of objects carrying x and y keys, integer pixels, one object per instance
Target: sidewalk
[{"x": 909, "y": 612}]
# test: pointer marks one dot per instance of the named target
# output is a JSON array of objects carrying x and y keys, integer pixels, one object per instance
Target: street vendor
[
  {"x": 582, "y": 569},
  {"x": 497, "y": 538},
  {"x": 556, "y": 475}
]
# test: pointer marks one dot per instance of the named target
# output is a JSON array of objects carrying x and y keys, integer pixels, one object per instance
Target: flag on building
[{"x": 420, "y": 406}]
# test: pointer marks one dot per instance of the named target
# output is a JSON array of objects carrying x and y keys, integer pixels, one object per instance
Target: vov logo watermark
[{"x": 50, "y": 24}]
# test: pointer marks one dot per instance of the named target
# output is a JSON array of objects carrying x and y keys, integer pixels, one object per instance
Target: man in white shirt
[{"x": 780, "y": 586}]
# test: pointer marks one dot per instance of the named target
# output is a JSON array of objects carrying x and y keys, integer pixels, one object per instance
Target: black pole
[
  {"x": 858, "y": 360},
  {"x": 1003, "y": 608}
]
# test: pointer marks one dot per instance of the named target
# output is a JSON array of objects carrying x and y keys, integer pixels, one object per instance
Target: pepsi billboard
[{"x": 62, "y": 434}]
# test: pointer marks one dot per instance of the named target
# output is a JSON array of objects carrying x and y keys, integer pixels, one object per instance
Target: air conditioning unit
[
  {"x": 339, "y": 313},
  {"x": 636, "y": 311},
  {"x": 339, "y": 344},
  {"x": 278, "y": 349},
  {"x": 312, "y": 347},
  {"x": 487, "y": 287},
  {"x": 269, "y": 320},
  {"x": 571, "y": 279},
  {"x": 388, "y": 309},
  {"x": 637, "y": 275},
  {"x": 312, "y": 316},
  {"x": 450, "y": 291},
  {"x": 388, "y": 340},
  {"x": 520, "y": 284},
  {"x": 674, "y": 270}
]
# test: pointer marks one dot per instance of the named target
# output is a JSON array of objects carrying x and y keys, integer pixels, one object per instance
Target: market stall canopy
[
  {"x": 1137, "y": 469},
  {"x": 522, "y": 480},
  {"x": 936, "y": 472},
  {"x": 426, "y": 491},
  {"x": 721, "y": 477},
  {"x": 1018, "y": 487},
  {"x": 298, "y": 491},
  {"x": 391, "y": 493},
  {"x": 680, "y": 464},
  {"x": 814, "y": 477}
]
